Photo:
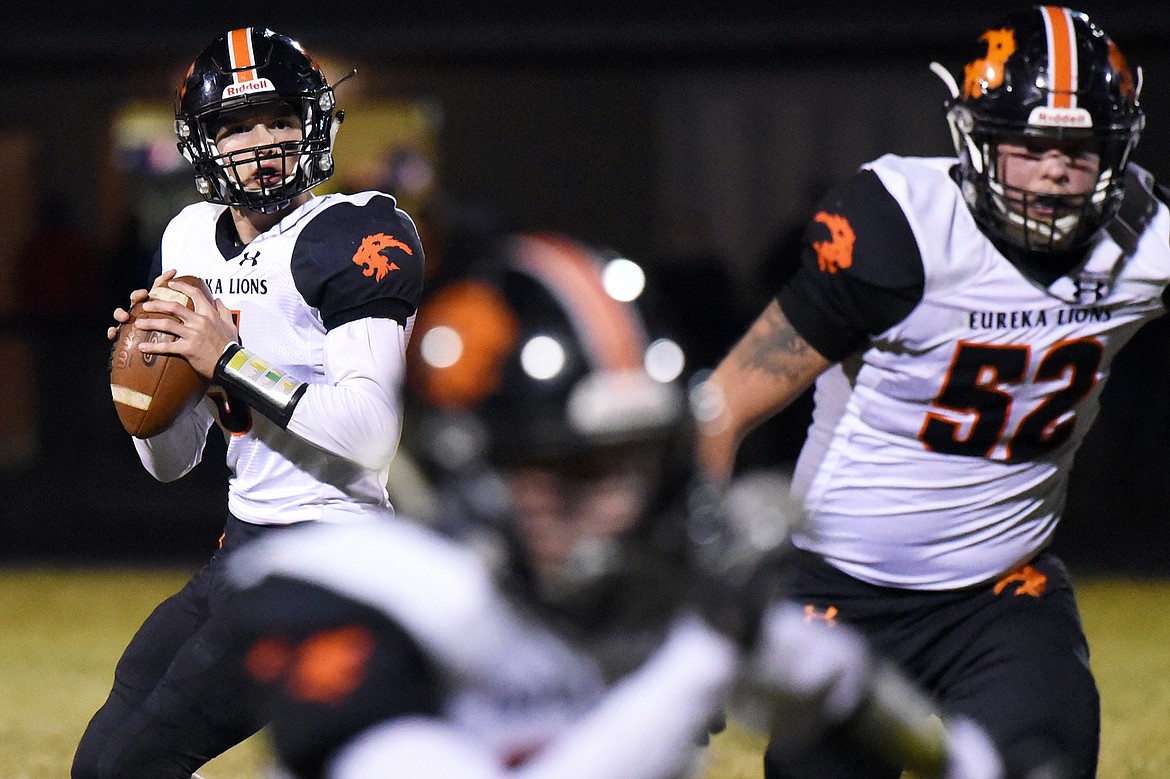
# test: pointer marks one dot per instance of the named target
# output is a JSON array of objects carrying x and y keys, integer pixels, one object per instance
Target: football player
[
  {"x": 959, "y": 317},
  {"x": 589, "y": 621},
  {"x": 304, "y": 346}
]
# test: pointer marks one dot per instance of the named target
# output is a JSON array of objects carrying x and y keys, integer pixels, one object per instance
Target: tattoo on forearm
[{"x": 772, "y": 345}]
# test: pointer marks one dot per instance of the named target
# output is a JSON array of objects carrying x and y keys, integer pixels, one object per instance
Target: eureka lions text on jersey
[{"x": 941, "y": 442}]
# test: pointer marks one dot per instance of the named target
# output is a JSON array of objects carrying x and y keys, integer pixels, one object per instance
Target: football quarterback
[{"x": 303, "y": 340}]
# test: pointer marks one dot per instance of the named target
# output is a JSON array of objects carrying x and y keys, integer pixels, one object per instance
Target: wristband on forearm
[{"x": 266, "y": 388}]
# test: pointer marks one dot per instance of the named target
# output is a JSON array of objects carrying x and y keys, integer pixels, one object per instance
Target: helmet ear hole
[
  {"x": 962, "y": 123},
  {"x": 960, "y": 116}
]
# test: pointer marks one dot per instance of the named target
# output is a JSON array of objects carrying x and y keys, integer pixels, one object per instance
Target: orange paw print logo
[
  {"x": 828, "y": 616},
  {"x": 837, "y": 252},
  {"x": 986, "y": 72},
  {"x": 324, "y": 668},
  {"x": 1029, "y": 581},
  {"x": 371, "y": 255}
]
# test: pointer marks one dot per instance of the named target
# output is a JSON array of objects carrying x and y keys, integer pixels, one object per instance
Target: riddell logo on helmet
[
  {"x": 247, "y": 87},
  {"x": 1060, "y": 117}
]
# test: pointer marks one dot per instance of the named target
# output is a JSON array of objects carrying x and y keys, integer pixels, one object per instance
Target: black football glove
[
  {"x": 737, "y": 561},
  {"x": 233, "y": 413}
]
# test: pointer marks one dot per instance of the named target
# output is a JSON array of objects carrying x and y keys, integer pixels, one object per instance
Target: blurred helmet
[
  {"x": 546, "y": 360},
  {"x": 532, "y": 364},
  {"x": 1044, "y": 75},
  {"x": 255, "y": 68}
]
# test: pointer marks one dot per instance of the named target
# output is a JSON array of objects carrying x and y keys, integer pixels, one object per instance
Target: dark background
[{"x": 685, "y": 135}]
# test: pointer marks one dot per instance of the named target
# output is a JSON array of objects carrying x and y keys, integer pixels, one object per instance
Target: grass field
[{"x": 62, "y": 632}]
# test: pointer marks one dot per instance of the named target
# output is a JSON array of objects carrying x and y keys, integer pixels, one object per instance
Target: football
[{"x": 151, "y": 391}]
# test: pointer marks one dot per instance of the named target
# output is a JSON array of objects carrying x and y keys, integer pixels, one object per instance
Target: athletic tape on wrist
[{"x": 266, "y": 388}]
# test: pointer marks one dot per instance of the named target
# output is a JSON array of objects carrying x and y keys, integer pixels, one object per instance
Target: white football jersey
[
  {"x": 941, "y": 442},
  {"x": 339, "y": 271}
]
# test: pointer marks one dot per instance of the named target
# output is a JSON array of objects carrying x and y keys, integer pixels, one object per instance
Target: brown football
[{"x": 151, "y": 391}]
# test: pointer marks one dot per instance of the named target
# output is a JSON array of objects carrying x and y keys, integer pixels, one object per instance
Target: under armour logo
[
  {"x": 1030, "y": 581},
  {"x": 1090, "y": 289},
  {"x": 828, "y": 616},
  {"x": 252, "y": 259}
]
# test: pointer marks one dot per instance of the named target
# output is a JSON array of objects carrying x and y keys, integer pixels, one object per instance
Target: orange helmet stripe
[
  {"x": 1062, "y": 57},
  {"x": 241, "y": 57},
  {"x": 609, "y": 330}
]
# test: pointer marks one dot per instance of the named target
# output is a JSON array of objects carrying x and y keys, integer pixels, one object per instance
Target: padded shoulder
[
  {"x": 359, "y": 256},
  {"x": 387, "y": 565},
  {"x": 1140, "y": 200}
]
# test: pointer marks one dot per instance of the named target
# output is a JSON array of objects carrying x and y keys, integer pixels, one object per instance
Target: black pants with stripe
[
  {"x": 1011, "y": 655},
  {"x": 178, "y": 698}
]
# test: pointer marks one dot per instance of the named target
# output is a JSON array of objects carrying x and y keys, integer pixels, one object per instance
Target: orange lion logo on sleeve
[
  {"x": 837, "y": 252},
  {"x": 986, "y": 73},
  {"x": 370, "y": 255}
]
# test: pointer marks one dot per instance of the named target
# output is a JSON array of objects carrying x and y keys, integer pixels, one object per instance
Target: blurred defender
[
  {"x": 305, "y": 347},
  {"x": 596, "y": 612},
  {"x": 959, "y": 317}
]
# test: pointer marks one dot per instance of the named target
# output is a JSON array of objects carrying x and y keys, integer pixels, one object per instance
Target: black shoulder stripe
[
  {"x": 379, "y": 308},
  {"x": 886, "y": 252},
  {"x": 860, "y": 272},
  {"x": 357, "y": 258}
]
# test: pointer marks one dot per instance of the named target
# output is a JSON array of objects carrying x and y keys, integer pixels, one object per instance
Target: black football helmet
[
  {"x": 246, "y": 68},
  {"x": 1050, "y": 74},
  {"x": 532, "y": 363},
  {"x": 543, "y": 356}
]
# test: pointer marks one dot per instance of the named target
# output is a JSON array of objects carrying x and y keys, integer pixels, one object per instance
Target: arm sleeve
[
  {"x": 356, "y": 413},
  {"x": 648, "y": 725},
  {"x": 360, "y": 260},
  {"x": 860, "y": 269},
  {"x": 174, "y": 452},
  {"x": 645, "y": 727}
]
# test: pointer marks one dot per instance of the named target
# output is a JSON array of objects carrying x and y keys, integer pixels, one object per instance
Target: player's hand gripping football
[{"x": 200, "y": 335}]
